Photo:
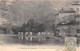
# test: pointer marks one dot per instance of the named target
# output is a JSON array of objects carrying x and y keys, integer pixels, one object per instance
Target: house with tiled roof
[{"x": 68, "y": 22}]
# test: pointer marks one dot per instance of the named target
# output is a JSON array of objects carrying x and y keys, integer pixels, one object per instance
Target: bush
[
  {"x": 32, "y": 26},
  {"x": 16, "y": 29}
]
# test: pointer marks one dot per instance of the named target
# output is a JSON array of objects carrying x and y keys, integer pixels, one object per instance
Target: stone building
[
  {"x": 65, "y": 18},
  {"x": 69, "y": 21}
]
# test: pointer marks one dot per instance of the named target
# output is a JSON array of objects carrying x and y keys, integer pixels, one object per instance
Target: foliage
[
  {"x": 16, "y": 29},
  {"x": 32, "y": 26}
]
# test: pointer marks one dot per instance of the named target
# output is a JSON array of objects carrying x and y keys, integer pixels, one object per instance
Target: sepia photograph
[{"x": 40, "y": 24}]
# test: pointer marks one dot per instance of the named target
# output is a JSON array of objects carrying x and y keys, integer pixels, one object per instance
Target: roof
[
  {"x": 70, "y": 10},
  {"x": 76, "y": 3}
]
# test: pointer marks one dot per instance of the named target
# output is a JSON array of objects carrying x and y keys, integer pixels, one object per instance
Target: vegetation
[{"x": 31, "y": 26}]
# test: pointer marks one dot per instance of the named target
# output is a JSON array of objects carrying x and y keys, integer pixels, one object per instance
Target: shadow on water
[
  {"x": 14, "y": 40},
  {"x": 10, "y": 40}
]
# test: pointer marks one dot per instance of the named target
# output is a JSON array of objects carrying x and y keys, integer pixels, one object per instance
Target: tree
[
  {"x": 16, "y": 29},
  {"x": 32, "y": 26},
  {"x": 3, "y": 10},
  {"x": 21, "y": 11}
]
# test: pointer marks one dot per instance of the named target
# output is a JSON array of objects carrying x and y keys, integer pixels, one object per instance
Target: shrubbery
[{"x": 30, "y": 26}]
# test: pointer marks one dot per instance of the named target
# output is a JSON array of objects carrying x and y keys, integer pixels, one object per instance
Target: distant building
[
  {"x": 69, "y": 21},
  {"x": 66, "y": 15},
  {"x": 76, "y": 6}
]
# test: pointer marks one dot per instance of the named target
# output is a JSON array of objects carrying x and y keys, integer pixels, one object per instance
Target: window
[{"x": 78, "y": 30}]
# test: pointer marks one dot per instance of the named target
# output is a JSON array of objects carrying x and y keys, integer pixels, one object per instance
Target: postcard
[{"x": 39, "y": 25}]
